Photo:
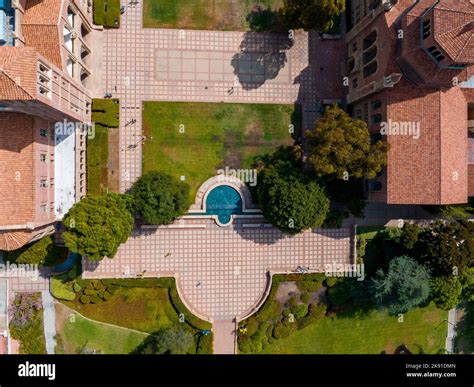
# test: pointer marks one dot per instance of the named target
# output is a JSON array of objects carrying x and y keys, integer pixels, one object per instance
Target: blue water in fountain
[{"x": 224, "y": 201}]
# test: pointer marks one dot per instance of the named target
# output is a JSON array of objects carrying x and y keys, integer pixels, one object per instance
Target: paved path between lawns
[
  {"x": 198, "y": 66},
  {"x": 49, "y": 319},
  {"x": 451, "y": 331},
  {"x": 224, "y": 337}
]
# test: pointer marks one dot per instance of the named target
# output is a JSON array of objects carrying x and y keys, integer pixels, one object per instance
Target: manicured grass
[
  {"x": 368, "y": 334},
  {"x": 77, "y": 334},
  {"x": 105, "y": 115},
  {"x": 196, "y": 139},
  {"x": 368, "y": 232},
  {"x": 149, "y": 307},
  {"x": 224, "y": 15},
  {"x": 107, "y": 13}
]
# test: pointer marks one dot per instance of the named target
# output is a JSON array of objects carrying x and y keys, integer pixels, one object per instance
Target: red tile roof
[{"x": 454, "y": 29}]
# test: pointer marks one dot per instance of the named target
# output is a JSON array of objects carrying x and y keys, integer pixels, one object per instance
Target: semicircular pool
[{"x": 224, "y": 201}]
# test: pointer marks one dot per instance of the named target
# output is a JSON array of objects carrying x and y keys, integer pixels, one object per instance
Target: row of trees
[
  {"x": 97, "y": 225},
  {"x": 296, "y": 183}
]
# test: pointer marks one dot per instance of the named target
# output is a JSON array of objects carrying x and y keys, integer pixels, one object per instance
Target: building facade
[
  {"x": 408, "y": 70},
  {"x": 44, "y": 73}
]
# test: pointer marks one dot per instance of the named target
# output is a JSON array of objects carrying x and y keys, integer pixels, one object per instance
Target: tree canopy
[
  {"x": 312, "y": 14},
  {"x": 405, "y": 285},
  {"x": 340, "y": 147},
  {"x": 42, "y": 252},
  {"x": 160, "y": 198},
  {"x": 289, "y": 199},
  {"x": 169, "y": 341},
  {"x": 97, "y": 225}
]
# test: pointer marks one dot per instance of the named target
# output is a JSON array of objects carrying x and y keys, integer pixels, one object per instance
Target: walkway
[
  {"x": 49, "y": 317},
  {"x": 222, "y": 273},
  {"x": 224, "y": 337},
  {"x": 451, "y": 331},
  {"x": 210, "y": 66}
]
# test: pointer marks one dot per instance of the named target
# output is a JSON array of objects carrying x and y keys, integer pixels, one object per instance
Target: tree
[
  {"x": 405, "y": 285},
  {"x": 409, "y": 235},
  {"x": 312, "y": 14},
  {"x": 288, "y": 198},
  {"x": 170, "y": 341},
  {"x": 447, "y": 248},
  {"x": 42, "y": 252},
  {"x": 446, "y": 291},
  {"x": 160, "y": 198},
  {"x": 97, "y": 225},
  {"x": 340, "y": 147}
]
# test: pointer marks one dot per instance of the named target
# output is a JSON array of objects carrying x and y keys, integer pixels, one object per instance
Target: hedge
[
  {"x": 190, "y": 319},
  {"x": 43, "y": 252},
  {"x": 165, "y": 282},
  {"x": 204, "y": 346},
  {"x": 62, "y": 290}
]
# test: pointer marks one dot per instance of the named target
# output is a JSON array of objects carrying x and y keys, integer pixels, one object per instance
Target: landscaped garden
[
  {"x": 196, "y": 139},
  {"x": 79, "y": 335},
  {"x": 222, "y": 15},
  {"x": 26, "y": 324},
  {"x": 105, "y": 115},
  {"x": 151, "y": 306}
]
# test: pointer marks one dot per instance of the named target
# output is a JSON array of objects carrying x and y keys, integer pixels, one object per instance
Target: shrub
[
  {"x": 106, "y": 296},
  {"x": 113, "y": 289},
  {"x": 97, "y": 284},
  {"x": 204, "y": 346},
  {"x": 252, "y": 326},
  {"x": 339, "y": 293},
  {"x": 62, "y": 290},
  {"x": 89, "y": 292},
  {"x": 281, "y": 331},
  {"x": 305, "y": 297},
  {"x": 446, "y": 292},
  {"x": 331, "y": 281},
  {"x": 76, "y": 287},
  {"x": 190, "y": 319},
  {"x": 244, "y": 344},
  {"x": 85, "y": 299},
  {"x": 269, "y": 311},
  {"x": 299, "y": 311},
  {"x": 95, "y": 299},
  {"x": 309, "y": 286},
  {"x": 42, "y": 252}
]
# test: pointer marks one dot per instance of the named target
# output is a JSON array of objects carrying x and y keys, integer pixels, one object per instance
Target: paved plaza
[{"x": 222, "y": 273}]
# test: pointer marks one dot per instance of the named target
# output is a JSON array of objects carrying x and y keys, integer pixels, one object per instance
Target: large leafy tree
[
  {"x": 340, "y": 147},
  {"x": 97, "y": 225},
  {"x": 289, "y": 199},
  {"x": 160, "y": 198},
  {"x": 169, "y": 341},
  {"x": 405, "y": 285},
  {"x": 447, "y": 291},
  {"x": 312, "y": 14},
  {"x": 447, "y": 248}
]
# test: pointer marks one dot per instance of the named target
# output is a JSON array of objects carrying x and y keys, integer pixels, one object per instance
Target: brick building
[
  {"x": 408, "y": 63},
  {"x": 44, "y": 74}
]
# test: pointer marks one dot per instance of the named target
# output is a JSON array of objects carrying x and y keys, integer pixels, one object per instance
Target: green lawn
[
  {"x": 106, "y": 13},
  {"x": 196, "y": 139},
  {"x": 146, "y": 306},
  {"x": 105, "y": 114},
  {"x": 77, "y": 333},
  {"x": 224, "y": 15},
  {"x": 370, "y": 334}
]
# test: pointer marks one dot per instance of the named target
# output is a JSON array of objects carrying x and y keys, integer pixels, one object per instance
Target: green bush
[
  {"x": 309, "y": 286},
  {"x": 269, "y": 311},
  {"x": 331, "y": 281},
  {"x": 339, "y": 294},
  {"x": 62, "y": 290},
  {"x": 106, "y": 296},
  {"x": 85, "y": 299},
  {"x": 299, "y": 311},
  {"x": 305, "y": 297},
  {"x": 190, "y": 319},
  {"x": 252, "y": 326},
  {"x": 113, "y": 289},
  {"x": 281, "y": 331},
  {"x": 76, "y": 287},
  {"x": 204, "y": 346},
  {"x": 97, "y": 284},
  {"x": 43, "y": 252},
  {"x": 89, "y": 292},
  {"x": 95, "y": 299},
  {"x": 165, "y": 282}
]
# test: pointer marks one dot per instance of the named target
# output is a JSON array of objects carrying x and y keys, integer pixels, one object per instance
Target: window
[
  {"x": 43, "y": 132},
  {"x": 376, "y": 119},
  {"x": 43, "y": 208},
  {"x": 43, "y": 157},
  {"x": 370, "y": 39},
  {"x": 355, "y": 83},
  {"x": 43, "y": 183},
  {"x": 354, "y": 47},
  {"x": 370, "y": 69},
  {"x": 426, "y": 27},
  {"x": 51, "y": 207},
  {"x": 51, "y": 182},
  {"x": 436, "y": 54},
  {"x": 374, "y": 105}
]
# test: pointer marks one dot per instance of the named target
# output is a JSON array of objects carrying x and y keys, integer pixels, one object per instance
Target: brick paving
[{"x": 221, "y": 272}]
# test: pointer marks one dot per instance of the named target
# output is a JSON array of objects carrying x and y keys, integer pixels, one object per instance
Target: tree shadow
[{"x": 263, "y": 50}]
